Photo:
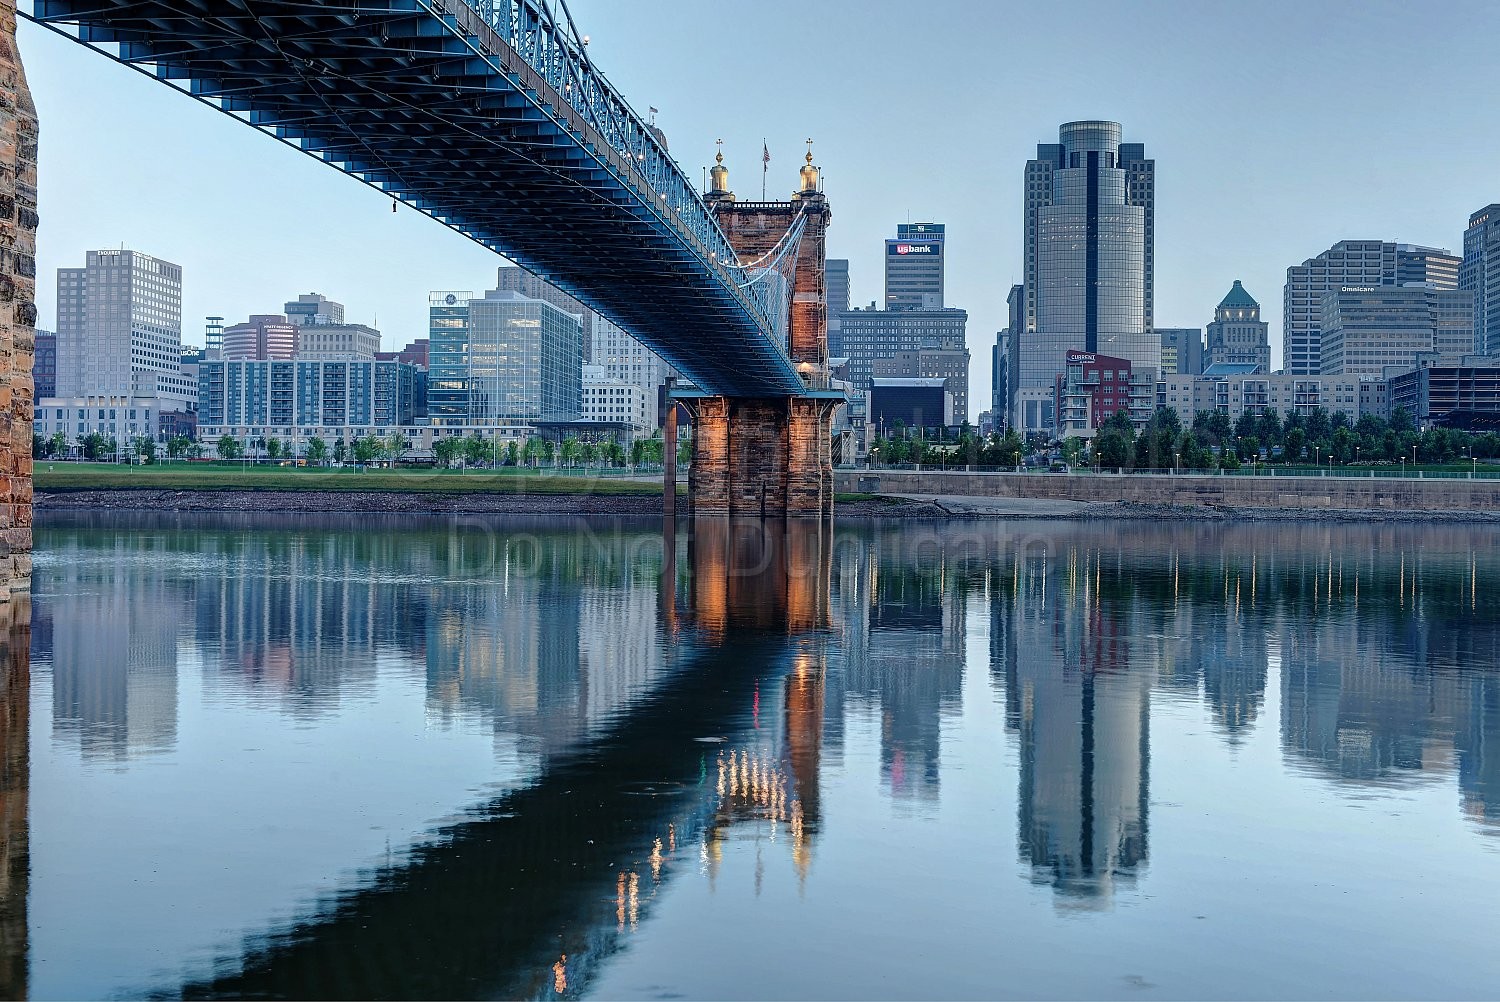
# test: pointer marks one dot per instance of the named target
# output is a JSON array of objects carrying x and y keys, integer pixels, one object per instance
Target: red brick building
[{"x": 1092, "y": 388}]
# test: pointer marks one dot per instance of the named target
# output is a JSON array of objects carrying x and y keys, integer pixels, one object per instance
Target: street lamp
[
  {"x": 1178, "y": 464},
  {"x": 1414, "y": 456}
]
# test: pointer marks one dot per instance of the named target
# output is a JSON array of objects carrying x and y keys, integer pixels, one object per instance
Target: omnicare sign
[{"x": 911, "y": 248}]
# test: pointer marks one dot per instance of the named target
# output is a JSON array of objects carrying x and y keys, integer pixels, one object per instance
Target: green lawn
[{"x": 60, "y": 476}]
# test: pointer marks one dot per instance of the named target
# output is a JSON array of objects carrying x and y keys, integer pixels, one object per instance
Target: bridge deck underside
[{"x": 454, "y": 122}]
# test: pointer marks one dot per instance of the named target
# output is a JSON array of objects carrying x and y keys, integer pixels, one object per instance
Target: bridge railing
[{"x": 552, "y": 47}]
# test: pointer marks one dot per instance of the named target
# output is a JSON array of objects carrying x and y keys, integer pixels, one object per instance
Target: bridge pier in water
[{"x": 762, "y": 456}]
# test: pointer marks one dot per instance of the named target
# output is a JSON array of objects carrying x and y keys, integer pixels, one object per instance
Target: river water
[{"x": 309, "y": 756}]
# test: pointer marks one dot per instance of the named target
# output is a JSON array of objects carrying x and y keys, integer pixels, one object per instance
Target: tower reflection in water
[
  {"x": 680, "y": 693},
  {"x": 15, "y": 785},
  {"x": 1080, "y": 706},
  {"x": 775, "y": 576}
]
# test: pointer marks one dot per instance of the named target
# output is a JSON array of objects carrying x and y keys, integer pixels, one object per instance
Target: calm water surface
[{"x": 316, "y": 756}]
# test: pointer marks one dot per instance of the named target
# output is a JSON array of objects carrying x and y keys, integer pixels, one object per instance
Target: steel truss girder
[{"x": 494, "y": 122}]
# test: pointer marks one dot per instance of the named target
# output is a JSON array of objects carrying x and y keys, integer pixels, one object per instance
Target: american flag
[{"x": 765, "y": 155}]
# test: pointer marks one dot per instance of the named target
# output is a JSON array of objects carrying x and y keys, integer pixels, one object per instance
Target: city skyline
[{"x": 1281, "y": 209}]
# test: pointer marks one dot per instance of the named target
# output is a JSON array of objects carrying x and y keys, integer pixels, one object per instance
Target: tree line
[{"x": 1212, "y": 441}]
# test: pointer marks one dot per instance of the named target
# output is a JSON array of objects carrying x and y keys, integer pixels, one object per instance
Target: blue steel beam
[{"x": 488, "y": 116}]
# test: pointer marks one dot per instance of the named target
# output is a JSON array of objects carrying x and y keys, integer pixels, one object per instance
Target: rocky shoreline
[{"x": 941, "y": 508}]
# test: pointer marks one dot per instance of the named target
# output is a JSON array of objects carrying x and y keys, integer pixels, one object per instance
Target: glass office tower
[{"x": 1089, "y": 260}]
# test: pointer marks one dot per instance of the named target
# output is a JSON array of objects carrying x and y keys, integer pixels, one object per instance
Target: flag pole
[{"x": 765, "y": 165}]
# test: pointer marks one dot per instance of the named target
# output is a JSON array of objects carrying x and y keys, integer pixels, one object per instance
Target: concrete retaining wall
[{"x": 1377, "y": 493}]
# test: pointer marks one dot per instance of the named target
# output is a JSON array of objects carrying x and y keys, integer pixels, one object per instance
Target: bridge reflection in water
[
  {"x": 528, "y": 894},
  {"x": 681, "y": 696}
]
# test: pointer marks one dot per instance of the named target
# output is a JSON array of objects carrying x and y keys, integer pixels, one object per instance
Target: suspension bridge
[{"x": 490, "y": 117}]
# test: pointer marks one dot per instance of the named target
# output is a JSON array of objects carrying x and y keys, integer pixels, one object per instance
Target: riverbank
[
  {"x": 1261, "y": 498},
  {"x": 646, "y": 504},
  {"x": 60, "y": 477}
]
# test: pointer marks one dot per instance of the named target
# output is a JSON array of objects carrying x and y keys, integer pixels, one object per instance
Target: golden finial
[
  {"x": 809, "y": 172},
  {"x": 719, "y": 174}
]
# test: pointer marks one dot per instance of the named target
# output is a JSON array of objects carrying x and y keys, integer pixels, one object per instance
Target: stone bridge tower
[
  {"x": 772, "y": 455},
  {"x": 18, "y": 220}
]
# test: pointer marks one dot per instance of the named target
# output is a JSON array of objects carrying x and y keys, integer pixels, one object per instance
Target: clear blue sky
[{"x": 1277, "y": 129}]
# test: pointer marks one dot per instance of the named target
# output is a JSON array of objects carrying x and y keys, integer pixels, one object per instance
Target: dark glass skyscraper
[
  {"x": 1480, "y": 274},
  {"x": 1089, "y": 260}
]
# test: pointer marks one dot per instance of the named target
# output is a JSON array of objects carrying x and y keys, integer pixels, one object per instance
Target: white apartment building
[
  {"x": 1284, "y": 393},
  {"x": 318, "y": 342},
  {"x": 609, "y": 400},
  {"x": 121, "y": 418},
  {"x": 621, "y": 359}
]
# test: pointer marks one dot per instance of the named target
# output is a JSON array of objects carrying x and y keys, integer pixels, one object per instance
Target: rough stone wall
[
  {"x": 1335, "y": 493},
  {"x": 708, "y": 476},
  {"x": 757, "y": 456},
  {"x": 18, "y": 222},
  {"x": 809, "y": 473},
  {"x": 762, "y": 456}
]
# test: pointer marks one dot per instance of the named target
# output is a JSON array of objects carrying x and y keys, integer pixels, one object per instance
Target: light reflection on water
[{"x": 309, "y": 756}]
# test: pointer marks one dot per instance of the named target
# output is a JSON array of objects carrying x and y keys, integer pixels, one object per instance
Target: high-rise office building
[
  {"x": 1181, "y": 350},
  {"x": 1349, "y": 263},
  {"x": 505, "y": 359},
  {"x": 44, "y": 366},
  {"x": 1238, "y": 335},
  {"x": 510, "y": 278},
  {"x": 317, "y": 342},
  {"x": 1089, "y": 255},
  {"x": 1366, "y": 328},
  {"x": 1005, "y": 406},
  {"x": 448, "y": 357},
  {"x": 119, "y": 318},
  {"x": 313, "y": 308},
  {"x": 875, "y": 334},
  {"x": 837, "y": 272},
  {"x": 1427, "y": 265},
  {"x": 914, "y": 267},
  {"x": 263, "y": 336},
  {"x": 1480, "y": 274},
  {"x": 999, "y": 377}
]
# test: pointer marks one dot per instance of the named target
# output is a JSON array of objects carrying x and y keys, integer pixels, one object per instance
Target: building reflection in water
[
  {"x": 1385, "y": 641},
  {"x": 688, "y": 692},
  {"x": 1080, "y": 706},
  {"x": 1389, "y": 665},
  {"x": 111, "y": 624},
  {"x": 905, "y": 601}
]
